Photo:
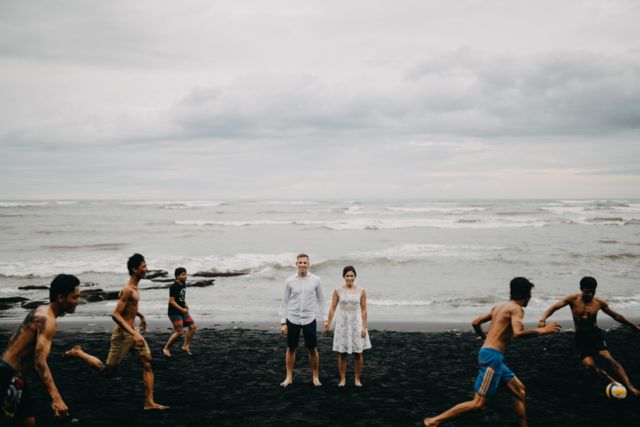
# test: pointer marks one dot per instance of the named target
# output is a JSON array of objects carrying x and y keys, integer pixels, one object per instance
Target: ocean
[{"x": 419, "y": 260}]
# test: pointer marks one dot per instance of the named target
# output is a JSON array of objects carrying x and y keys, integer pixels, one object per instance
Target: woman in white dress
[{"x": 350, "y": 335}]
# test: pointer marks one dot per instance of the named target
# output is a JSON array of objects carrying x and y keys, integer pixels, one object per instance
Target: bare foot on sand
[
  {"x": 155, "y": 407},
  {"x": 186, "y": 350},
  {"x": 342, "y": 383},
  {"x": 428, "y": 422},
  {"x": 166, "y": 352},
  {"x": 287, "y": 382},
  {"x": 74, "y": 352},
  {"x": 316, "y": 382},
  {"x": 358, "y": 383}
]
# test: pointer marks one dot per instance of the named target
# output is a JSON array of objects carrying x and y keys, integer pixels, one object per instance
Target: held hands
[
  {"x": 364, "y": 332},
  {"x": 325, "y": 328},
  {"x": 542, "y": 323},
  {"x": 59, "y": 408}
]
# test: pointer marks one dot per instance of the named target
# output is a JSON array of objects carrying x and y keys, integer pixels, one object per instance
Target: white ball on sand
[{"x": 616, "y": 391}]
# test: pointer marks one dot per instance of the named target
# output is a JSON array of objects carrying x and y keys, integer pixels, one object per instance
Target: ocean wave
[
  {"x": 167, "y": 204},
  {"x": 261, "y": 265},
  {"x": 93, "y": 246},
  {"x": 378, "y": 223},
  {"x": 429, "y": 209},
  {"x": 22, "y": 204},
  {"x": 284, "y": 203}
]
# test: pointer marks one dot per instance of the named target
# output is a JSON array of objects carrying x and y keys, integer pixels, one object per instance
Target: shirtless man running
[
  {"x": 125, "y": 336},
  {"x": 506, "y": 323},
  {"x": 29, "y": 348},
  {"x": 589, "y": 338}
]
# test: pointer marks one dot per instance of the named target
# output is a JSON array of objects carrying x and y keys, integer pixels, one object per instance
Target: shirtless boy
[
  {"x": 29, "y": 348},
  {"x": 506, "y": 323},
  {"x": 589, "y": 338},
  {"x": 125, "y": 336}
]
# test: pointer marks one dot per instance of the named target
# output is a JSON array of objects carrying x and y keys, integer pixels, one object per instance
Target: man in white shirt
[{"x": 302, "y": 296}]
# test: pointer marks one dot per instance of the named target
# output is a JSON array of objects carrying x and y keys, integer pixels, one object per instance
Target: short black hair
[
  {"x": 134, "y": 262},
  {"x": 588, "y": 282},
  {"x": 179, "y": 271},
  {"x": 62, "y": 284},
  {"x": 520, "y": 288},
  {"x": 347, "y": 269}
]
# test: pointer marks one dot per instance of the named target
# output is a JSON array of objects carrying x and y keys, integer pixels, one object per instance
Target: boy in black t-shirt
[{"x": 179, "y": 313}]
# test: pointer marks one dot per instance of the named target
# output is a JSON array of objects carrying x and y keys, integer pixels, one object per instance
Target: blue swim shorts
[{"x": 492, "y": 372}]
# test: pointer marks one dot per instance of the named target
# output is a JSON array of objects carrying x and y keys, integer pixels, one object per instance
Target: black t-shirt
[{"x": 178, "y": 291}]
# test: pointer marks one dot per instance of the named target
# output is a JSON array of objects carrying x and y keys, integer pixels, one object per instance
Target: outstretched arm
[
  {"x": 617, "y": 316},
  {"x": 477, "y": 323},
  {"x": 46, "y": 331},
  {"x": 555, "y": 307},
  {"x": 519, "y": 330}
]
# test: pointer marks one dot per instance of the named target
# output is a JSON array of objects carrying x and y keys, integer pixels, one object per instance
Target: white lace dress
[{"x": 347, "y": 337}]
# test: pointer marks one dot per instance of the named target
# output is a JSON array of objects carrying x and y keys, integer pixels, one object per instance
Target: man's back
[
  {"x": 500, "y": 330},
  {"x": 21, "y": 348}
]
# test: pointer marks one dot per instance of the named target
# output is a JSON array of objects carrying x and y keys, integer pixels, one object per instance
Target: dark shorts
[
  {"x": 590, "y": 341},
  {"x": 180, "y": 321},
  {"x": 309, "y": 332},
  {"x": 15, "y": 401},
  {"x": 492, "y": 372}
]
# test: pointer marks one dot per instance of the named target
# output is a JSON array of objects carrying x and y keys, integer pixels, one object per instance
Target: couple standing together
[{"x": 302, "y": 298}]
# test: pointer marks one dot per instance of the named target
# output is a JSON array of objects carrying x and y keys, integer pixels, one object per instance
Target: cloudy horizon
[{"x": 286, "y": 99}]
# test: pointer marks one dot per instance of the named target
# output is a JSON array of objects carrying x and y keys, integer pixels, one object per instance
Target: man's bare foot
[
  {"x": 155, "y": 407},
  {"x": 166, "y": 352},
  {"x": 73, "y": 352},
  {"x": 287, "y": 382},
  {"x": 316, "y": 382},
  {"x": 186, "y": 350},
  {"x": 358, "y": 383},
  {"x": 428, "y": 422}
]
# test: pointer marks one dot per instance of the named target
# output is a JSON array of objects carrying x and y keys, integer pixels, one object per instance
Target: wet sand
[{"x": 233, "y": 379}]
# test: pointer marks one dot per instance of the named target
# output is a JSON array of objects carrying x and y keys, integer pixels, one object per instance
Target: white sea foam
[
  {"x": 430, "y": 209},
  {"x": 380, "y": 223},
  {"x": 174, "y": 204},
  {"x": 264, "y": 265},
  {"x": 6, "y": 204}
]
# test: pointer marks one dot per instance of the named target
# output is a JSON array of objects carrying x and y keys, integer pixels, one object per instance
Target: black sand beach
[{"x": 232, "y": 380}]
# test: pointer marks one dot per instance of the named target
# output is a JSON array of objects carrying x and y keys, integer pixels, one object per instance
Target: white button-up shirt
[{"x": 302, "y": 296}]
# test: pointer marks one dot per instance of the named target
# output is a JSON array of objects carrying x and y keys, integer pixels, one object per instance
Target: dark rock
[
  {"x": 33, "y": 288},
  {"x": 201, "y": 283},
  {"x": 33, "y": 304},
  {"x": 163, "y": 280},
  {"x": 214, "y": 273},
  {"x": 152, "y": 274},
  {"x": 12, "y": 300},
  {"x": 158, "y": 287},
  {"x": 85, "y": 284},
  {"x": 196, "y": 284},
  {"x": 95, "y": 295}
]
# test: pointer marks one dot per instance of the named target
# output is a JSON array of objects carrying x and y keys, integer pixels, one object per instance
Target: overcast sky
[{"x": 319, "y": 99}]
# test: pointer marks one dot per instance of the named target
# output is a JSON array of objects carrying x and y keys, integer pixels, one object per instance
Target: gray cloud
[{"x": 422, "y": 98}]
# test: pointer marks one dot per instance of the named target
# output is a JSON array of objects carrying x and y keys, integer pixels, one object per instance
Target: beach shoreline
[{"x": 234, "y": 374}]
